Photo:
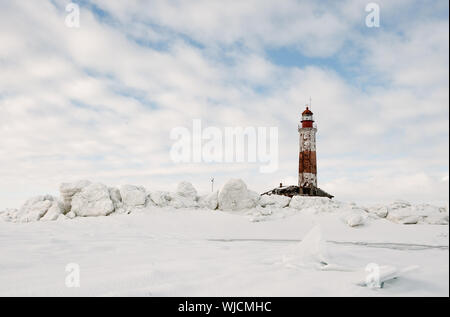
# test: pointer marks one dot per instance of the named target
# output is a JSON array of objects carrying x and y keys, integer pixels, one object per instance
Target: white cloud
[
  {"x": 95, "y": 103},
  {"x": 317, "y": 28}
]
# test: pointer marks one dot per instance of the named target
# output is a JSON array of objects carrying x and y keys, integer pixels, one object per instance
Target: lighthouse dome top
[
  {"x": 307, "y": 112},
  {"x": 307, "y": 118}
]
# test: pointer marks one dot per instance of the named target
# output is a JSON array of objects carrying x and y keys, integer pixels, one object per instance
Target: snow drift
[{"x": 86, "y": 199}]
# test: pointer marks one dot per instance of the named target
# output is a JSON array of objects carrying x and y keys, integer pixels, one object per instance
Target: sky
[{"x": 99, "y": 101}]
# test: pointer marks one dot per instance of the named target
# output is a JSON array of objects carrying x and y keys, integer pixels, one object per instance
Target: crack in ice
[{"x": 384, "y": 245}]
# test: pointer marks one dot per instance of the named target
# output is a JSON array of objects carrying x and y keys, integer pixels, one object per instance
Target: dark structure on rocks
[{"x": 307, "y": 164}]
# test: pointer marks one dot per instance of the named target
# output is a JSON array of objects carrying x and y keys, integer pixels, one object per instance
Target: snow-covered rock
[
  {"x": 399, "y": 204},
  {"x": 68, "y": 190},
  {"x": 186, "y": 189},
  {"x": 409, "y": 220},
  {"x": 428, "y": 210},
  {"x": 355, "y": 218},
  {"x": 405, "y": 213},
  {"x": 274, "y": 200},
  {"x": 35, "y": 208},
  {"x": 314, "y": 204},
  {"x": 235, "y": 196},
  {"x": 55, "y": 211},
  {"x": 86, "y": 199},
  {"x": 182, "y": 202},
  {"x": 93, "y": 200},
  {"x": 133, "y": 196},
  {"x": 70, "y": 215},
  {"x": 9, "y": 214},
  {"x": 437, "y": 219},
  {"x": 185, "y": 196},
  {"x": 404, "y": 216},
  {"x": 378, "y": 210},
  {"x": 116, "y": 198},
  {"x": 160, "y": 198},
  {"x": 254, "y": 196},
  {"x": 267, "y": 210},
  {"x": 210, "y": 201}
]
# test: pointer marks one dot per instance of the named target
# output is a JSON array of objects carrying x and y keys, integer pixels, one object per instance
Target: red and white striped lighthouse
[{"x": 307, "y": 165}]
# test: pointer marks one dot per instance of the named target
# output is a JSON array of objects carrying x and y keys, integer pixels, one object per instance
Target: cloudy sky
[{"x": 99, "y": 102}]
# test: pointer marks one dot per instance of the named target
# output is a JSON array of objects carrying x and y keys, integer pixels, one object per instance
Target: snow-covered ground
[{"x": 231, "y": 243}]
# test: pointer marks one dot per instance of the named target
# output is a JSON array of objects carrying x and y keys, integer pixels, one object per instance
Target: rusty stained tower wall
[{"x": 307, "y": 165}]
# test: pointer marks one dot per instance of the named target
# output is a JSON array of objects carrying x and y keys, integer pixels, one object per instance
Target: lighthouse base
[{"x": 291, "y": 191}]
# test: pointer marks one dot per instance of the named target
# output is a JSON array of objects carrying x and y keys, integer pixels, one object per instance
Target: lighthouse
[{"x": 307, "y": 164}]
